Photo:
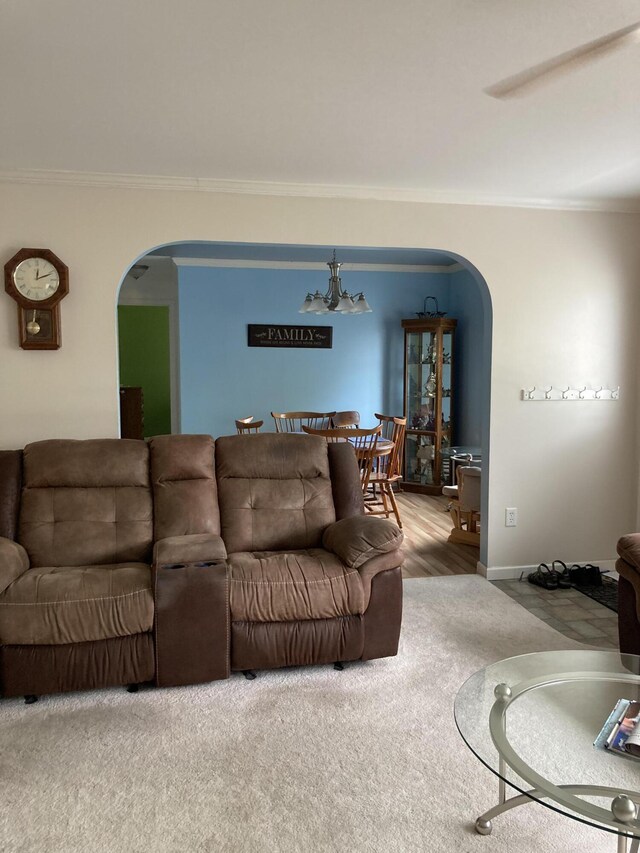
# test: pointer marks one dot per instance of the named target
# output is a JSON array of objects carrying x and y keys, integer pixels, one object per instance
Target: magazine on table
[{"x": 621, "y": 732}]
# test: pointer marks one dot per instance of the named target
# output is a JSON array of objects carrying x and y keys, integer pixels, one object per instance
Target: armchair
[
  {"x": 84, "y": 520},
  {"x": 628, "y": 568},
  {"x": 312, "y": 580}
]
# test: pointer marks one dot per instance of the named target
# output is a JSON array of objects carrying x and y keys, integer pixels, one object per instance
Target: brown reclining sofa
[{"x": 179, "y": 559}]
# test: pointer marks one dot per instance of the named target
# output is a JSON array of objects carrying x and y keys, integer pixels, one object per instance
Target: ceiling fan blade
[{"x": 523, "y": 82}]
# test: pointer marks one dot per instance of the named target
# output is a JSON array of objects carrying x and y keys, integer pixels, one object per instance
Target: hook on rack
[{"x": 547, "y": 393}]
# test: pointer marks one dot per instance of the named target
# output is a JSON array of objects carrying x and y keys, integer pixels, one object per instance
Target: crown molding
[
  {"x": 312, "y": 265},
  {"x": 343, "y": 191}
]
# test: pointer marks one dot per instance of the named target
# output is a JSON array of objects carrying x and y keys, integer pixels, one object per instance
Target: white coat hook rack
[{"x": 569, "y": 393}]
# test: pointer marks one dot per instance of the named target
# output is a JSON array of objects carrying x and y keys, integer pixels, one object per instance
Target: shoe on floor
[
  {"x": 588, "y": 575},
  {"x": 564, "y": 578},
  {"x": 544, "y": 576}
]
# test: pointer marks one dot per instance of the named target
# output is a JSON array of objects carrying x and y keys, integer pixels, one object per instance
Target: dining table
[{"x": 383, "y": 447}]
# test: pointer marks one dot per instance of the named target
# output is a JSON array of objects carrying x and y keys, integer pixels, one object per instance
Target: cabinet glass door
[
  {"x": 428, "y": 402},
  {"x": 447, "y": 388},
  {"x": 421, "y": 405},
  {"x": 422, "y": 380}
]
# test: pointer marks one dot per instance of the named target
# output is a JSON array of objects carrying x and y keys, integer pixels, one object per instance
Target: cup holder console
[{"x": 192, "y": 622}]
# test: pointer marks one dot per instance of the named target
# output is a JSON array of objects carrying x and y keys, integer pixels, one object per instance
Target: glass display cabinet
[{"x": 428, "y": 402}]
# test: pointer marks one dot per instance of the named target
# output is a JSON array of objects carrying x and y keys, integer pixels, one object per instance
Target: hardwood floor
[{"x": 426, "y": 526}]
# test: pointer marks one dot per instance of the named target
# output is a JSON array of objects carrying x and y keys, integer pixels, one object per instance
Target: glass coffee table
[{"x": 532, "y": 721}]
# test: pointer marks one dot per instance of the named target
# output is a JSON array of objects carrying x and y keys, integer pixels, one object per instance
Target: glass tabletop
[{"x": 536, "y": 732}]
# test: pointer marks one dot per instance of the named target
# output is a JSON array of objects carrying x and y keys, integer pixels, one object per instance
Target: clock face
[{"x": 36, "y": 279}]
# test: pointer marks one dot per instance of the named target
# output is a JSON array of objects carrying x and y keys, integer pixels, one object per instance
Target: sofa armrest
[
  {"x": 629, "y": 550},
  {"x": 14, "y": 561},
  {"x": 194, "y": 548},
  {"x": 358, "y": 539}
]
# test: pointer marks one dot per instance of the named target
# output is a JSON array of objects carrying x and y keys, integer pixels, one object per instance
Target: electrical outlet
[{"x": 510, "y": 516}]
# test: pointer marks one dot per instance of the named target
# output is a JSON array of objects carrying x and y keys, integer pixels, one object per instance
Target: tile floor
[{"x": 568, "y": 611}]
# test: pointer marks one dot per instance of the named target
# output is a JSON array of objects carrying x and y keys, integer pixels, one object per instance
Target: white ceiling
[{"x": 345, "y": 93}]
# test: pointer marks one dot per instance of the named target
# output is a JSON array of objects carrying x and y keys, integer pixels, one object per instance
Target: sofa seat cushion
[
  {"x": 286, "y": 586},
  {"x": 75, "y": 604}
]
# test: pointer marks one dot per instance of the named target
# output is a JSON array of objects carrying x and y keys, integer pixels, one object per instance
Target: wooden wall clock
[{"x": 38, "y": 281}]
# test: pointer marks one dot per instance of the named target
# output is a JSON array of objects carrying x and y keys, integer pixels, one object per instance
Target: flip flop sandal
[
  {"x": 544, "y": 577},
  {"x": 564, "y": 579}
]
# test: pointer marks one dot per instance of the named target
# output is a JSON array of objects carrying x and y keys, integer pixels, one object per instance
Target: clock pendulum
[{"x": 33, "y": 327}]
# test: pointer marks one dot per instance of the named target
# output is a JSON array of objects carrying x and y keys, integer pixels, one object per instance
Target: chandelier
[{"x": 335, "y": 299}]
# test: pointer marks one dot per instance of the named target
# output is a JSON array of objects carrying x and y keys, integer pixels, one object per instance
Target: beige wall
[{"x": 563, "y": 286}]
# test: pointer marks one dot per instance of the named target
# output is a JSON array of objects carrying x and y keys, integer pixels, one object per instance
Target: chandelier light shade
[
  {"x": 138, "y": 270},
  {"x": 335, "y": 299}
]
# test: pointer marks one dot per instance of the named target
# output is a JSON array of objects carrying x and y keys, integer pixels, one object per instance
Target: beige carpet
[{"x": 312, "y": 759}]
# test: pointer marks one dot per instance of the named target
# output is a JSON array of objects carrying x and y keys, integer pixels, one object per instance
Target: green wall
[{"x": 143, "y": 343}]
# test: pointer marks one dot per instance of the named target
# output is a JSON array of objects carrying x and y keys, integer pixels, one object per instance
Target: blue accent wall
[{"x": 222, "y": 379}]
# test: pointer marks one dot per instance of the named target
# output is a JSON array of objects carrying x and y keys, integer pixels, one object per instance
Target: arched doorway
[{"x": 218, "y": 289}]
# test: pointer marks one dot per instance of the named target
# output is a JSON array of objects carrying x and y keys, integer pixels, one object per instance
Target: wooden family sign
[{"x": 306, "y": 337}]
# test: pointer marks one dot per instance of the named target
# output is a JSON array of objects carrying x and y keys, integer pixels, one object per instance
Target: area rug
[
  {"x": 606, "y": 594},
  {"x": 305, "y": 759}
]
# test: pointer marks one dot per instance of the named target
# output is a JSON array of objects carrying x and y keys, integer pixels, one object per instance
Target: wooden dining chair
[
  {"x": 248, "y": 426},
  {"x": 345, "y": 419},
  {"x": 364, "y": 443},
  {"x": 294, "y": 421},
  {"x": 387, "y": 422},
  {"x": 386, "y": 472},
  {"x": 465, "y": 505}
]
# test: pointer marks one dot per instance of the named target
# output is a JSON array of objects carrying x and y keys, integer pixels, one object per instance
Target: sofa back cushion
[
  {"x": 274, "y": 491},
  {"x": 86, "y": 502},
  {"x": 185, "y": 496}
]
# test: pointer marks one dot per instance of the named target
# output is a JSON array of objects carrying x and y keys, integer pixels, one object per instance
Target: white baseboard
[{"x": 503, "y": 573}]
